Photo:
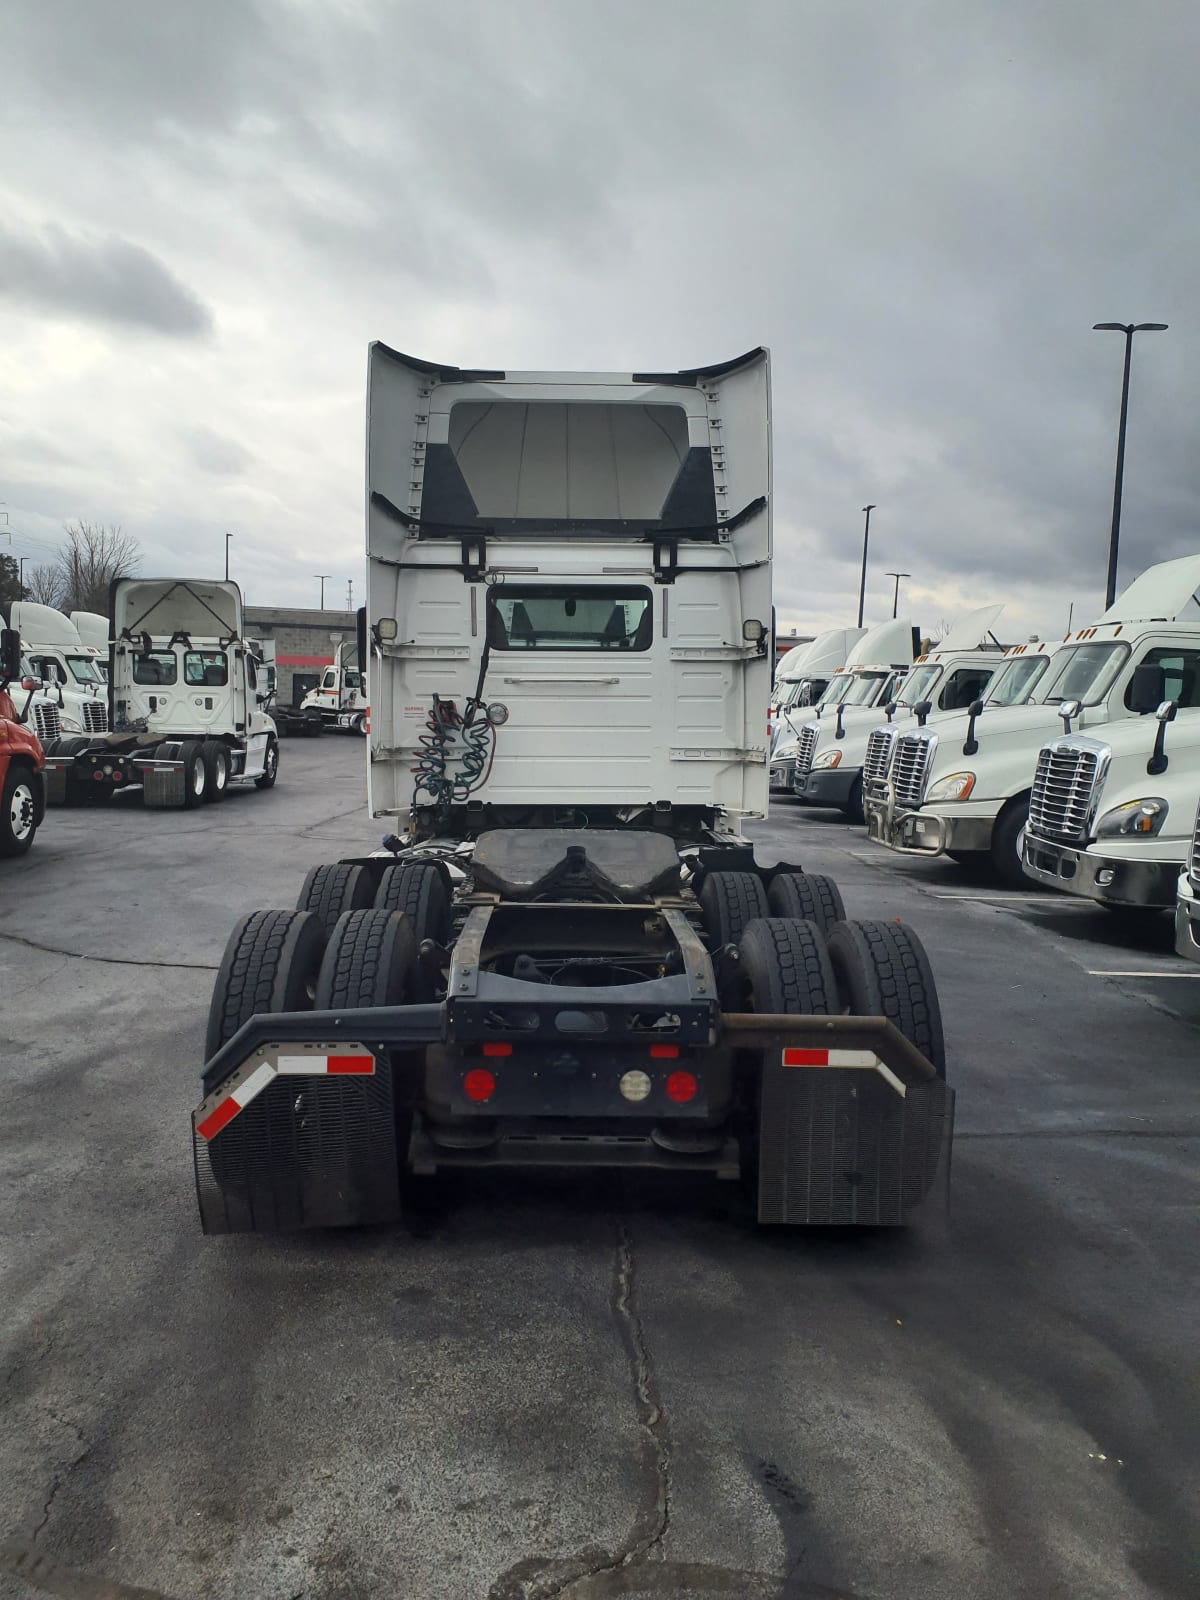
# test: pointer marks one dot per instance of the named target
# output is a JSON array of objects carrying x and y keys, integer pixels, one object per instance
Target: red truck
[{"x": 22, "y": 790}]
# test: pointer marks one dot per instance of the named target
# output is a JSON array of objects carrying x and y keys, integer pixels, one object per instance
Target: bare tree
[
  {"x": 46, "y": 585},
  {"x": 90, "y": 558}
]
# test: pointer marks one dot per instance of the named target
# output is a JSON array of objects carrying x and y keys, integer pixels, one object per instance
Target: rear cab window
[
  {"x": 205, "y": 669},
  {"x": 159, "y": 667},
  {"x": 570, "y": 617}
]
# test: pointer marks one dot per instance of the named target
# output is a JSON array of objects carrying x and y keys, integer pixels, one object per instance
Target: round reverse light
[
  {"x": 498, "y": 713},
  {"x": 635, "y": 1085}
]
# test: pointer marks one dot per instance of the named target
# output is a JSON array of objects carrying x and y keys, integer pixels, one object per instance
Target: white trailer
[
  {"x": 71, "y": 672},
  {"x": 961, "y": 788},
  {"x": 566, "y": 954},
  {"x": 186, "y": 707}
]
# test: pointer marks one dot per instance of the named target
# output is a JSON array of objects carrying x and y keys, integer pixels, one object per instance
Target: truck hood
[
  {"x": 203, "y": 608},
  {"x": 1009, "y": 741}
]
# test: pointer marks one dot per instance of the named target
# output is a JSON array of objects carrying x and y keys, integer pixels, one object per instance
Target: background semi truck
[
  {"x": 1187, "y": 902},
  {"x": 566, "y": 954},
  {"x": 340, "y": 699},
  {"x": 22, "y": 796},
  {"x": 1111, "y": 814},
  {"x": 829, "y": 765},
  {"x": 961, "y": 787},
  {"x": 72, "y": 672},
  {"x": 803, "y": 677},
  {"x": 187, "y": 712}
]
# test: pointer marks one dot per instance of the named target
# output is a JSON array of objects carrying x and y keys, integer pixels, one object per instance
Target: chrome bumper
[
  {"x": 1113, "y": 880},
  {"x": 1187, "y": 921},
  {"x": 919, "y": 833}
]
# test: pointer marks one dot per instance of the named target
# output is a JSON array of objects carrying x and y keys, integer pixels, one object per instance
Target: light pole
[
  {"x": 349, "y": 594},
  {"x": 862, "y": 587},
  {"x": 896, "y": 593},
  {"x": 322, "y": 576},
  {"x": 228, "y": 536},
  {"x": 1128, "y": 329}
]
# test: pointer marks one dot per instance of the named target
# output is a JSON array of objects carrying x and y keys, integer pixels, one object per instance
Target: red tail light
[
  {"x": 497, "y": 1049},
  {"x": 479, "y": 1085},
  {"x": 664, "y": 1052},
  {"x": 681, "y": 1087}
]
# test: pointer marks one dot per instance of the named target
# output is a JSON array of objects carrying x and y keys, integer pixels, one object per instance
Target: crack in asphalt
[{"x": 111, "y": 961}]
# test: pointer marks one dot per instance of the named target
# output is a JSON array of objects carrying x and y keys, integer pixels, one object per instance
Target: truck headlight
[
  {"x": 827, "y": 758},
  {"x": 1142, "y": 818},
  {"x": 955, "y": 786}
]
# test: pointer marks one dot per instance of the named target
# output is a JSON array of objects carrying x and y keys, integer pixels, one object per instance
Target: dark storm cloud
[
  {"x": 922, "y": 209},
  {"x": 99, "y": 279}
]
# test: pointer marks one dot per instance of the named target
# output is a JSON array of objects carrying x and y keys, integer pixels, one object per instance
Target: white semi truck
[
  {"x": 961, "y": 787},
  {"x": 1111, "y": 814},
  {"x": 830, "y": 753},
  {"x": 566, "y": 954},
  {"x": 340, "y": 699},
  {"x": 1187, "y": 899},
  {"x": 186, "y": 707},
  {"x": 873, "y": 669},
  {"x": 809, "y": 669},
  {"x": 92, "y": 629},
  {"x": 54, "y": 655}
]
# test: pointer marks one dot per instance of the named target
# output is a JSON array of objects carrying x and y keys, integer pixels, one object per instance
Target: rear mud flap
[
  {"x": 163, "y": 789},
  {"x": 56, "y": 785},
  {"x": 843, "y": 1147},
  {"x": 305, "y": 1153}
]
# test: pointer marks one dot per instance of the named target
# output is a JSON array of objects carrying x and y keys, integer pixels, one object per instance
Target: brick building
[{"x": 304, "y": 644}]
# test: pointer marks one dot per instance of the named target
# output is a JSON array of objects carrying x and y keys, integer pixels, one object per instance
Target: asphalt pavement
[{"x": 545, "y": 1386}]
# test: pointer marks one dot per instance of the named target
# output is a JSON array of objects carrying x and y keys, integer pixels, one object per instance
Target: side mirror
[
  {"x": 1147, "y": 689},
  {"x": 889, "y": 710},
  {"x": 10, "y": 654},
  {"x": 841, "y": 732},
  {"x": 1068, "y": 711},
  {"x": 971, "y": 743},
  {"x": 922, "y": 712},
  {"x": 1158, "y": 759}
]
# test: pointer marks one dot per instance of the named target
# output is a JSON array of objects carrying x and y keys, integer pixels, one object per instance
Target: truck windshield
[
  {"x": 1085, "y": 672},
  {"x": 1013, "y": 684},
  {"x": 84, "y": 669},
  {"x": 865, "y": 687},
  {"x": 918, "y": 685}
]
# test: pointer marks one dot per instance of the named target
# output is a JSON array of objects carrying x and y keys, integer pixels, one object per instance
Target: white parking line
[
  {"x": 1105, "y": 973},
  {"x": 1046, "y": 899}
]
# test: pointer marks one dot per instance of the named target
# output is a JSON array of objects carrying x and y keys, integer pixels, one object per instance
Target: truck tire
[
  {"x": 1005, "y": 856},
  {"x": 853, "y": 809},
  {"x": 195, "y": 773},
  {"x": 729, "y": 902},
  {"x": 270, "y": 964},
  {"x": 809, "y": 896},
  {"x": 882, "y": 971},
  {"x": 270, "y": 765},
  {"x": 786, "y": 967},
  {"x": 18, "y": 810},
  {"x": 419, "y": 890},
  {"x": 330, "y": 891},
  {"x": 369, "y": 961},
  {"x": 359, "y": 725},
  {"x": 216, "y": 769}
]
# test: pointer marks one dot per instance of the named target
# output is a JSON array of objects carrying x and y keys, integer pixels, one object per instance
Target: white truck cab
[
  {"x": 70, "y": 670},
  {"x": 874, "y": 667},
  {"x": 187, "y": 709},
  {"x": 341, "y": 697},
  {"x": 829, "y": 767},
  {"x": 804, "y": 676},
  {"x": 92, "y": 629},
  {"x": 1111, "y": 814},
  {"x": 961, "y": 787}
]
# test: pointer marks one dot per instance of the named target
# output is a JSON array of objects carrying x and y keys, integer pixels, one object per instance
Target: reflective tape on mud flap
[
  {"x": 237, "y": 1092},
  {"x": 865, "y": 1060}
]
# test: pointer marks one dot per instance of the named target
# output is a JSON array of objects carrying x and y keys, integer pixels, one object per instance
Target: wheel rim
[
  {"x": 221, "y": 773},
  {"x": 20, "y": 812},
  {"x": 198, "y": 776},
  {"x": 272, "y": 760}
]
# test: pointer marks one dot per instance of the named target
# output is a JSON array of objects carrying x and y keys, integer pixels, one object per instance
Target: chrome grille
[
  {"x": 879, "y": 753},
  {"x": 1194, "y": 852},
  {"x": 805, "y": 748},
  {"x": 910, "y": 767},
  {"x": 1060, "y": 806},
  {"x": 95, "y": 716},
  {"x": 48, "y": 722}
]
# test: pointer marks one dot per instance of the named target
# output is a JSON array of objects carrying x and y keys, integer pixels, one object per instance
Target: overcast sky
[{"x": 210, "y": 208}]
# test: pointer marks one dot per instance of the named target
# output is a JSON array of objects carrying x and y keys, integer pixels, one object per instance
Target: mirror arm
[{"x": 1158, "y": 761}]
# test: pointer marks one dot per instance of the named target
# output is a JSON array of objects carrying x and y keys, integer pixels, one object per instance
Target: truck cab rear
[
  {"x": 185, "y": 705},
  {"x": 565, "y": 954}
]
